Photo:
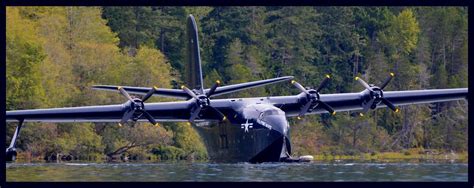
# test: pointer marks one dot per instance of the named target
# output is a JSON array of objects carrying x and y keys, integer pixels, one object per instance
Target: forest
[{"x": 55, "y": 54}]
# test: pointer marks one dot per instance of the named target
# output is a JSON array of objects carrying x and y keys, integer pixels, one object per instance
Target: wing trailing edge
[{"x": 178, "y": 93}]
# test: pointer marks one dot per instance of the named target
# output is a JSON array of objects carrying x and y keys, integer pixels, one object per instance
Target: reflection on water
[{"x": 186, "y": 171}]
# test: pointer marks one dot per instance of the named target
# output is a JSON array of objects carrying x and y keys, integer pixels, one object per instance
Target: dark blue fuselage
[{"x": 256, "y": 133}]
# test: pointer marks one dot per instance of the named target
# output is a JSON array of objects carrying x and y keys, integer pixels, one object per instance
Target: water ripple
[{"x": 185, "y": 171}]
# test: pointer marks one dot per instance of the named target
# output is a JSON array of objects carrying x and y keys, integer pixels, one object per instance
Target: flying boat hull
[{"x": 226, "y": 142}]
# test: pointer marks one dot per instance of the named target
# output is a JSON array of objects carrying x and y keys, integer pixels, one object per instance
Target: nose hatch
[
  {"x": 280, "y": 125},
  {"x": 278, "y": 147}
]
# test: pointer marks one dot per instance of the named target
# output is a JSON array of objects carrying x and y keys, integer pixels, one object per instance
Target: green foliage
[
  {"x": 187, "y": 139},
  {"x": 306, "y": 142},
  {"x": 118, "y": 140},
  {"x": 402, "y": 33},
  {"x": 80, "y": 141},
  {"x": 133, "y": 24},
  {"x": 24, "y": 58},
  {"x": 148, "y": 67},
  {"x": 58, "y": 53},
  {"x": 211, "y": 78},
  {"x": 169, "y": 152},
  {"x": 160, "y": 27},
  {"x": 39, "y": 139}
]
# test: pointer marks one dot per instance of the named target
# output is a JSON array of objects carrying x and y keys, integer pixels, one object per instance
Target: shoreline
[
  {"x": 396, "y": 156},
  {"x": 362, "y": 157}
]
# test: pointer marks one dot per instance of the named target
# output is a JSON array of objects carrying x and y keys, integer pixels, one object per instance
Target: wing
[
  {"x": 292, "y": 105},
  {"x": 178, "y": 93},
  {"x": 174, "y": 93},
  {"x": 161, "y": 112},
  {"x": 238, "y": 87}
]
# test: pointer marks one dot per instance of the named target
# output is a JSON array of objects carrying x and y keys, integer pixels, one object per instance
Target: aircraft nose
[{"x": 278, "y": 123}]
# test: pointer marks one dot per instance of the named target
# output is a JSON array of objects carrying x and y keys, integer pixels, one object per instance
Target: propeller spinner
[
  {"x": 202, "y": 102},
  {"x": 376, "y": 95},
  {"x": 136, "y": 107},
  {"x": 313, "y": 99}
]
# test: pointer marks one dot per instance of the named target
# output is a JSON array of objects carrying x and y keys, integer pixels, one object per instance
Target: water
[{"x": 187, "y": 171}]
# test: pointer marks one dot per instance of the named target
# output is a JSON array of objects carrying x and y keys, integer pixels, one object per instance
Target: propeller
[
  {"x": 313, "y": 99},
  {"x": 136, "y": 107},
  {"x": 376, "y": 95},
  {"x": 201, "y": 102}
]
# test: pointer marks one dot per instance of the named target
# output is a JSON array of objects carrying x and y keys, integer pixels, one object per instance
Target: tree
[
  {"x": 80, "y": 141},
  {"x": 24, "y": 58},
  {"x": 189, "y": 141},
  {"x": 148, "y": 68},
  {"x": 403, "y": 32},
  {"x": 160, "y": 27},
  {"x": 122, "y": 139},
  {"x": 134, "y": 25},
  {"x": 238, "y": 72}
]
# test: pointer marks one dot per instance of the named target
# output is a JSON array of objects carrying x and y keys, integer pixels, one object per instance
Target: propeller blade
[
  {"x": 189, "y": 92},
  {"x": 126, "y": 116},
  {"x": 390, "y": 105},
  {"x": 389, "y": 78},
  {"x": 150, "y": 118},
  {"x": 124, "y": 93},
  {"x": 327, "y": 107},
  {"x": 368, "y": 105},
  {"x": 323, "y": 83},
  {"x": 304, "y": 109},
  {"x": 195, "y": 113},
  {"x": 299, "y": 86},
  {"x": 213, "y": 88},
  {"x": 363, "y": 83},
  {"x": 150, "y": 93},
  {"x": 219, "y": 113}
]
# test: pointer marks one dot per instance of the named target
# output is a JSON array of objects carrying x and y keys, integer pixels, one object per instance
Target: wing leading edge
[
  {"x": 354, "y": 101},
  {"x": 179, "y": 111},
  {"x": 165, "y": 111}
]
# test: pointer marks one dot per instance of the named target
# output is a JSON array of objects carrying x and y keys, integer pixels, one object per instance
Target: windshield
[{"x": 271, "y": 112}]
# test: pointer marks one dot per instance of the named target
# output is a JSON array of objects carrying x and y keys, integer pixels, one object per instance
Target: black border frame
[{"x": 5, "y": 3}]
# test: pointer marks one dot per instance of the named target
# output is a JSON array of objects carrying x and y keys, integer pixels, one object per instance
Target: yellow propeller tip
[
  {"x": 293, "y": 81},
  {"x": 361, "y": 114},
  {"x": 120, "y": 125},
  {"x": 224, "y": 118},
  {"x": 397, "y": 110},
  {"x": 188, "y": 123},
  {"x": 156, "y": 124},
  {"x": 356, "y": 78},
  {"x": 182, "y": 87},
  {"x": 299, "y": 118},
  {"x": 156, "y": 88},
  {"x": 327, "y": 76},
  {"x": 119, "y": 87},
  {"x": 392, "y": 74},
  {"x": 218, "y": 81},
  {"x": 333, "y": 113}
]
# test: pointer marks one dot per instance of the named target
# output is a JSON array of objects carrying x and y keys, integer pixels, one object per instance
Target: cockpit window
[{"x": 271, "y": 112}]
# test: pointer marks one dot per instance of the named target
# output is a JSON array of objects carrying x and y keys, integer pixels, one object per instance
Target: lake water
[{"x": 202, "y": 171}]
